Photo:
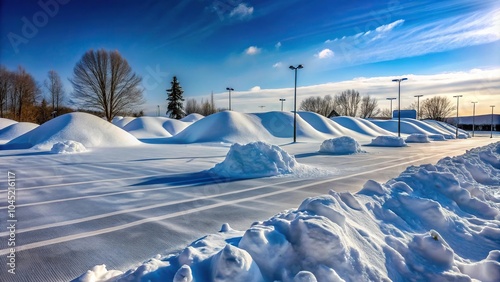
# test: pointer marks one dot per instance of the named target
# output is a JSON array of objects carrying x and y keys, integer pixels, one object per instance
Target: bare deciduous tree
[
  {"x": 24, "y": 93},
  {"x": 322, "y": 106},
  {"x": 385, "y": 113},
  {"x": 55, "y": 89},
  {"x": 369, "y": 107},
  {"x": 437, "y": 108},
  {"x": 206, "y": 107},
  {"x": 5, "y": 88},
  {"x": 104, "y": 81},
  {"x": 348, "y": 102},
  {"x": 191, "y": 106}
]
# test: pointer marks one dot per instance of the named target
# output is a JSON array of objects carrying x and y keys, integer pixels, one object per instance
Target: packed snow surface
[
  {"x": 16, "y": 129},
  {"x": 417, "y": 138},
  {"x": 388, "y": 141},
  {"x": 341, "y": 146},
  {"x": 68, "y": 147},
  {"x": 84, "y": 128},
  {"x": 260, "y": 159},
  {"x": 431, "y": 223}
]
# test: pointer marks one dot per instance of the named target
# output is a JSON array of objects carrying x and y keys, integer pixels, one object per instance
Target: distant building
[{"x": 482, "y": 122}]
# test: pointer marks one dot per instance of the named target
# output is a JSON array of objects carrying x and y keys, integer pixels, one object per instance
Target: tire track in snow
[{"x": 68, "y": 238}]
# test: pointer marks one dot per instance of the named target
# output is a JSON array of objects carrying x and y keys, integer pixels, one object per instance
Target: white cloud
[
  {"x": 325, "y": 53},
  {"x": 278, "y": 65},
  {"x": 389, "y": 27},
  {"x": 255, "y": 89},
  {"x": 278, "y": 45},
  {"x": 241, "y": 11},
  {"x": 252, "y": 50}
]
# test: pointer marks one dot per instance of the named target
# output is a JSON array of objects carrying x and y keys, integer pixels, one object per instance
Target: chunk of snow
[
  {"x": 417, "y": 138},
  {"x": 68, "y": 147},
  {"x": 388, "y": 141},
  {"x": 341, "y": 146}
]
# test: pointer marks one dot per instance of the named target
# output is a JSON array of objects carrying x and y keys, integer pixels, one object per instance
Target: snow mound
[
  {"x": 438, "y": 137},
  {"x": 418, "y": 138},
  {"x": 361, "y": 126},
  {"x": 174, "y": 126},
  {"x": 388, "y": 141},
  {"x": 429, "y": 128},
  {"x": 4, "y": 122},
  {"x": 462, "y": 134},
  {"x": 84, "y": 128},
  {"x": 147, "y": 127},
  {"x": 68, "y": 147},
  {"x": 192, "y": 117},
  {"x": 259, "y": 159},
  {"x": 121, "y": 122},
  {"x": 341, "y": 146},
  {"x": 16, "y": 129},
  {"x": 405, "y": 126},
  {"x": 227, "y": 127},
  {"x": 432, "y": 223}
]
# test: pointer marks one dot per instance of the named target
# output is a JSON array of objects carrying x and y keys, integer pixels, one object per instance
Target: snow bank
[
  {"x": 4, "y": 122},
  {"x": 405, "y": 126},
  {"x": 192, "y": 117},
  {"x": 147, "y": 127},
  {"x": 462, "y": 134},
  {"x": 361, "y": 126},
  {"x": 84, "y": 128},
  {"x": 16, "y": 129},
  {"x": 417, "y": 138},
  {"x": 68, "y": 147},
  {"x": 121, "y": 122},
  {"x": 341, "y": 146},
  {"x": 388, "y": 141},
  {"x": 432, "y": 223},
  {"x": 259, "y": 159}
]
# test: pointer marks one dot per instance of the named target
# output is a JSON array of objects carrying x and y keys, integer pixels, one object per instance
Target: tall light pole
[
  {"x": 229, "y": 89},
  {"x": 492, "y": 106},
  {"x": 295, "y": 103},
  {"x": 398, "y": 80},
  {"x": 458, "y": 98},
  {"x": 390, "y": 99},
  {"x": 473, "y": 117},
  {"x": 282, "y": 100},
  {"x": 418, "y": 105}
]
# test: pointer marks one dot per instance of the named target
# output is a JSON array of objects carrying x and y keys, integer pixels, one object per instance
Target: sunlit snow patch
[
  {"x": 68, "y": 147},
  {"x": 341, "y": 146},
  {"x": 417, "y": 138},
  {"x": 388, "y": 141},
  {"x": 260, "y": 159}
]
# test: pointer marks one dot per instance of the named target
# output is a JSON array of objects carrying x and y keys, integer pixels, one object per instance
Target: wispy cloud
[
  {"x": 475, "y": 85},
  {"x": 325, "y": 53},
  {"x": 278, "y": 65},
  {"x": 252, "y": 50},
  {"x": 388, "y": 27},
  {"x": 242, "y": 11},
  {"x": 277, "y": 45}
]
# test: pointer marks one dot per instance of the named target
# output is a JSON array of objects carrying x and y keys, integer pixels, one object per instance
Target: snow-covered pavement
[{"x": 118, "y": 205}]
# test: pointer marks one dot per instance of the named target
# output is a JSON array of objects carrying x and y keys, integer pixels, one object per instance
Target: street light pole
[
  {"x": 158, "y": 110},
  {"x": 295, "y": 103},
  {"x": 418, "y": 105},
  {"x": 458, "y": 98},
  {"x": 282, "y": 100},
  {"x": 229, "y": 89},
  {"x": 473, "y": 117},
  {"x": 398, "y": 80},
  {"x": 390, "y": 99},
  {"x": 492, "y": 106}
]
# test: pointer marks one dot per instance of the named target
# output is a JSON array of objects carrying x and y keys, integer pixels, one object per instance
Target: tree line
[{"x": 350, "y": 103}]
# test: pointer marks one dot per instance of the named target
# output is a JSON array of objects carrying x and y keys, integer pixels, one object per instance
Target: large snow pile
[
  {"x": 147, "y": 127},
  {"x": 432, "y": 223},
  {"x": 418, "y": 138},
  {"x": 259, "y": 159},
  {"x": 84, "y": 128},
  {"x": 4, "y": 122},
  {"x": 341, "y": 145},
  {"x": 361, "y": 126},
  {"x": 192, "y": 117},
  {"x": 388, "y": 141},
  {"x": 16, "y": 129},
  {"x": 405, "y": 127},
  {"x": 462, "y": 134},
  {"x": 121, "y": 122},
  {"x": 68, "y": 147}
]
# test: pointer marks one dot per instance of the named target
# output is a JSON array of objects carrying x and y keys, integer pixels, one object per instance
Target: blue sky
[{"x": 445, "y": 47}]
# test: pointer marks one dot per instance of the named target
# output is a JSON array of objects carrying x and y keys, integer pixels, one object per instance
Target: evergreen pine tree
[{"x": 175, "y": 99}]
